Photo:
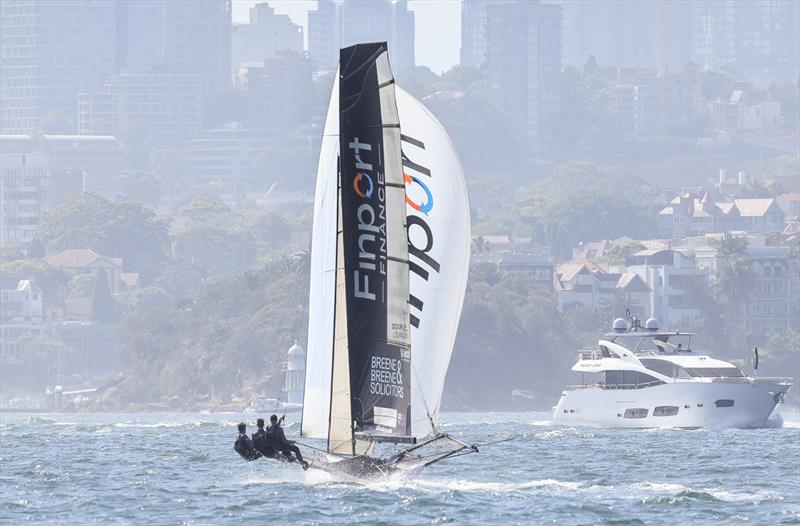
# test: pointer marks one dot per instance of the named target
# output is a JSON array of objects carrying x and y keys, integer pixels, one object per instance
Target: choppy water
[{"x": 181, "y": 469}]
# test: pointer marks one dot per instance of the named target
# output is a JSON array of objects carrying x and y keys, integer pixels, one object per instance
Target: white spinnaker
[{"x": 442, "y": 294}]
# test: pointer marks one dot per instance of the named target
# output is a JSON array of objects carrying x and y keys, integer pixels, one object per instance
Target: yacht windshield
[
  {"x": 716, "y": 372},
  {"x": 666, "y": 368},
  {"x": 659, "y": 343},
  {"x": 672, "y": 370}
]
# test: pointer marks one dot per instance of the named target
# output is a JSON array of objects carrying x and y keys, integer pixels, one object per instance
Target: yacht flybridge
[{"x": 644, "y": 377}]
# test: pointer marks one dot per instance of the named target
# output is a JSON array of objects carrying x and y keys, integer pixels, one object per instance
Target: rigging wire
[{"x": 425, "y": 402}]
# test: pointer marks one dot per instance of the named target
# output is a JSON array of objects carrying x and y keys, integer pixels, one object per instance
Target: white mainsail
[{"x": 439, "y": 240}]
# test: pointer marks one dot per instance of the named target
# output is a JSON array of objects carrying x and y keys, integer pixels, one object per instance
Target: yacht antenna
[
  {"x": 635, "y": 324},
  {"x": 755, "y": 362}
]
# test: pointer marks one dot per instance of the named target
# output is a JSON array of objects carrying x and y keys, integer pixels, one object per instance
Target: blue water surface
[{"x": 161, "y": 468}]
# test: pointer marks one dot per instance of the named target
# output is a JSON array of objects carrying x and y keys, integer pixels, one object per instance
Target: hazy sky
[{"x": 438, "y": 26}]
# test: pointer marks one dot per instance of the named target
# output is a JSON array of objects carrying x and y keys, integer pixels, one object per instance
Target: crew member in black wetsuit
[
  {"x": 244, "y": 446},
  {"x": 277, "y": 439},
  {"x": 260, "y": 440}
]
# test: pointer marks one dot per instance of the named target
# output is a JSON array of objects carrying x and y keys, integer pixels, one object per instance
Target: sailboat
[{"x": 389, "y": 262}]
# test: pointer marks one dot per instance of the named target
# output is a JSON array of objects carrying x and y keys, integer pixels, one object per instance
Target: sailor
[
  {"x": 244, "y": 446},
  {"x": 260, "y": 440},
  {"x": 277, "y": 439}
]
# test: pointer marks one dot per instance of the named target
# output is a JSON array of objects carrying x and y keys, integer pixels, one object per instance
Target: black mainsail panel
[{"x": 374, "y": 245}]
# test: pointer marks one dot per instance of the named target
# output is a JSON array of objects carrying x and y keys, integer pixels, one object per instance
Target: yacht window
[
  {"x": 660, "y": 366},
  {"x": 629, "y": 380},
  {"x": 665, "y": 410},
  {"x": 637, "y": 412},
  {"x": 716, "y": 372},
  {"x": 613, "y": 378},
  {"x": 645, "y": 380},
  {"x": 724, "y": 403}
]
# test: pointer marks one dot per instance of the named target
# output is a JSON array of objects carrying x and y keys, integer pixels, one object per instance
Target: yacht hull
[{"x": 744, "y": 404}]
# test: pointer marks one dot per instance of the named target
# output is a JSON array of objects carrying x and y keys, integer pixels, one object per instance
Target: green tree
[
  {"x": 479, "y": 245},
  {"x": 510, "y": 336},
  {"x": 788, "y": 94},
  {"x": 46, "y": 360},
  {"x": 270, "y": 229},
  {"x": 618, "y": 253},
  {"x": 11, "y": 252},
  {"x": 51, "y": 280},
  {"x": 215, "y": 253},
  {"x": 137, "y": 302},
  {"x": 103, "y": 309},
  {"x": 226, "y": 342},
  {"x": 735, "y": 280},
  {"x": 204, "y": 212},
  {"x": 780, "y": 354},
  {"x": 142, "y": 186},
  {"x": 81, "y": 286},
  {"x": 716, "y": 85},
  {"x": 118, "y": 228},
  {"x": 35, "y": 249}
]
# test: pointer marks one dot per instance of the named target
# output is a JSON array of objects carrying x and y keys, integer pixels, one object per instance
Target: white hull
[{"x": 754, "y": 401}]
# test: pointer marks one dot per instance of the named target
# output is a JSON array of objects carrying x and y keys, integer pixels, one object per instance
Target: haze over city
[{"x": 546, "y": 250}]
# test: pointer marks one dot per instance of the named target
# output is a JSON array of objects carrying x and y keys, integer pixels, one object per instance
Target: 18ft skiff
[{"x": 389, "y": 262}]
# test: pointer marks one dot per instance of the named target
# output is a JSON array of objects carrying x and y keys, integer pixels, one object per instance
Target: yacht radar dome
[
  {"x": 620, "y": 325},
  {"x": 651, "y": 325}
]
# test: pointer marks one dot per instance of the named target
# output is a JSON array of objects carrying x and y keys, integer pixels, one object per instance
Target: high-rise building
[
  {"x": 668, "y": 103},
  {"x": 24, "y": 195},
  {"x": 276, "y": 93},
  {"x": 140, "y": 34},
  {"x": 523, "y": 55},
  {"x": 76, "y": 162},
  {"x": 197, "y": 41},
  {"x": 164, "y": 107},
  {"x": 49, "y": 51},
  {"x": 760, "y": 38},
  {"x": 30, "y": 185},
  {"x": 473, "y": 32},
  {"x": 621, "y": 33},
  {"x": 334, "y": 25},
  {"x": 265, "y": 35}
]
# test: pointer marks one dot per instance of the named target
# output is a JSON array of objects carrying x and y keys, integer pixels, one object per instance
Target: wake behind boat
[
  {"x": 642, "y": 377},
  {"x": 389, "y": 260}
]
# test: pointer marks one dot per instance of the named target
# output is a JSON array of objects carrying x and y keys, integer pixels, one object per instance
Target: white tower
[{"x": 295, "y": 374}]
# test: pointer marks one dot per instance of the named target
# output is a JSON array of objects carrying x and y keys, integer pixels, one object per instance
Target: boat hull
[{"x": 698, "y": 405}]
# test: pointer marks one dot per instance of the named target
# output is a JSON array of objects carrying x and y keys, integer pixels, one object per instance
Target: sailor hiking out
[
  {"x": 244, "y": 446},
  {"x": 260, "y": 440},
  {"x": 276, "y": 439}
]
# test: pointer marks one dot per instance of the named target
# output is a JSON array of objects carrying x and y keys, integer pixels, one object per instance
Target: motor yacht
[{"x": 643, "y": 377}]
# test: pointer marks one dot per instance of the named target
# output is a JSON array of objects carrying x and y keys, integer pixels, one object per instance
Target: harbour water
[{"x": 181, "y": 469}]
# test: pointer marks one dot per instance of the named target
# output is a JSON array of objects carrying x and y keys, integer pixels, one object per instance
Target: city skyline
[{"x": 434, "y": 18}]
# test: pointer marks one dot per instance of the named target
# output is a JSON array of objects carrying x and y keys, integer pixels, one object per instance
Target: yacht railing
[
  {"x": 745, "y": 379},
  {"x": 617, "y": 386},
  {"x": 728, "y": 380}
]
